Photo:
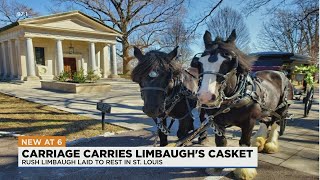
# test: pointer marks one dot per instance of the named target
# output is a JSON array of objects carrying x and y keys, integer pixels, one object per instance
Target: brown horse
[{"x": 225, "y": 81}]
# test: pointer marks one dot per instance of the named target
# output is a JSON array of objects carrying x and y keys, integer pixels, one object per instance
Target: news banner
[{"x": 51, "y": 151}]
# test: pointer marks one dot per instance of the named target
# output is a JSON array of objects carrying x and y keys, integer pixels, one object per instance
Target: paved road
[
  {"x": 124, "y": 98},
  {"x": 8, "y": 169},
  {"x": 298, "y": 157}
]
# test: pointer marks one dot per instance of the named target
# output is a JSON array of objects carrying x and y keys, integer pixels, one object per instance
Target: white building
[{"x": 42, "y": 47}]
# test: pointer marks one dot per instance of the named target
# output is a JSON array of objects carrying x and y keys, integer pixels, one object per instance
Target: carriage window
[{"x": 39, "y": 55}]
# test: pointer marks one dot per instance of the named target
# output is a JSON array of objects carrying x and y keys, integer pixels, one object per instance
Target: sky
[
  {"x": 195, "y": 8},
  {"x": 254, "y": 21}
]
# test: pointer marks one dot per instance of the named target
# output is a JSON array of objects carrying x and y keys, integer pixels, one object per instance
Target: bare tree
[
  {"x": 308, "y": 22},
  {"x": 251, "y": 6},
  {"x": 146, "y": 38},
  {"x": 198, "y": 22},
  {"x": 13, "y": 11},
  {"x": 129, "y": 17},
  {"x": 177, "y": 35},
  {"x": 280, "y": 33},
  {"x": 271, "y": 6},
  {"x": 227, "y": 19},
  {"x": 55, "y": 7},
  {"x": 293, "y": 30}
]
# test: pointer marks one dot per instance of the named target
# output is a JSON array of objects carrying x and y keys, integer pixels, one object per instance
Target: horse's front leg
[
  {"x": 220, "y": 141},
  {"x": 162, "y": 136},
  {"x": 272, "y": 145},
  {"x": 203, "y": 137},
  {"x": 260, "y": 138},
  {"x": 246, "y": 131},
  {"x": 185, "y": 125}
]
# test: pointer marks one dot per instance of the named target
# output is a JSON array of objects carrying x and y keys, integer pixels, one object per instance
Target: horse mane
[
  {"x": 152, "y": 60},
  {"x": 245, "y": 61}
]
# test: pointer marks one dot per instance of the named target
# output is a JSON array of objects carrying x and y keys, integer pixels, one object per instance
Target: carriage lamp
[{"x": 71, "y": 49}]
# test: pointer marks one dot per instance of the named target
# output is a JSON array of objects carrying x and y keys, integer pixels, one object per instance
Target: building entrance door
[{"x": 70, "y": 65}]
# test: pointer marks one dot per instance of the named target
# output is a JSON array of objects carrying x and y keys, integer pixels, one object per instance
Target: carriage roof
[{"x": 275, "y": 60}]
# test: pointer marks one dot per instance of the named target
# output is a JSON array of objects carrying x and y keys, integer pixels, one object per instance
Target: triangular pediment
[
  {"x": 75, "y": 21},
  {"x": 73, "y": 24}
]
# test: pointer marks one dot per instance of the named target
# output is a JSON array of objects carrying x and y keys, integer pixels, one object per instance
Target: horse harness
[
  {"x": 179, "y": 92},
  {"x": 244, "y": 94}
]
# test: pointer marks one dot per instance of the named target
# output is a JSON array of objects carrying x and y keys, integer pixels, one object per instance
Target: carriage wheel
[
  {"x": 308, "y": 102},
  {"x": 283, "y": 123}
]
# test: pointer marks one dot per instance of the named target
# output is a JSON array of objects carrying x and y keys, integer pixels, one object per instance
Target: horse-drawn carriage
[
  {"x": 306, "y": 93},
  {"x": 223, "y": 90},
  {"x": 287, "y": 63}
]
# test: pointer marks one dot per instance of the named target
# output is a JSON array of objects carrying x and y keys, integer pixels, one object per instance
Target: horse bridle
[
  {"x": 225, "y": 77},
  {"x": 165, "y": 90},
  {"x": 172, "y": 101}
]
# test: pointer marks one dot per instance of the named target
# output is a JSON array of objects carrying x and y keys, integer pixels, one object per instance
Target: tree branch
[{"x": 205, "y": 17}]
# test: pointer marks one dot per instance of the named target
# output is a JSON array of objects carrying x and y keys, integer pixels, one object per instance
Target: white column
[
  {"x": 83, "y": 64},
  {"x": 105, "y": 57},
  {"x": 18, "y": 57},
  {"x": 11, "y": 59},
  {"x": 114, "y": 62},
  {"x": 92, "y": 57},
  {"x": 59, "y": 56},
  {"x": 98, "y": 54},
  {"x": 31, "y": 73},
  {"x": 4, "y": 61}
]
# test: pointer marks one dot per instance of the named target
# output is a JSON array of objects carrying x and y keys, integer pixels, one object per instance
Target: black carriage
[{"x": 286, "y": 62}]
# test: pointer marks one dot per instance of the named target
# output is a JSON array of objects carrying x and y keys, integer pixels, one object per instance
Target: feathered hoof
[
  {"x": 171, "y": 145},
  {"x": 271, "y": 147},
  {"x": 213, "y": 171},
  {"x": 245, "y": 173},
  {"x": 259, "y": 142}
]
